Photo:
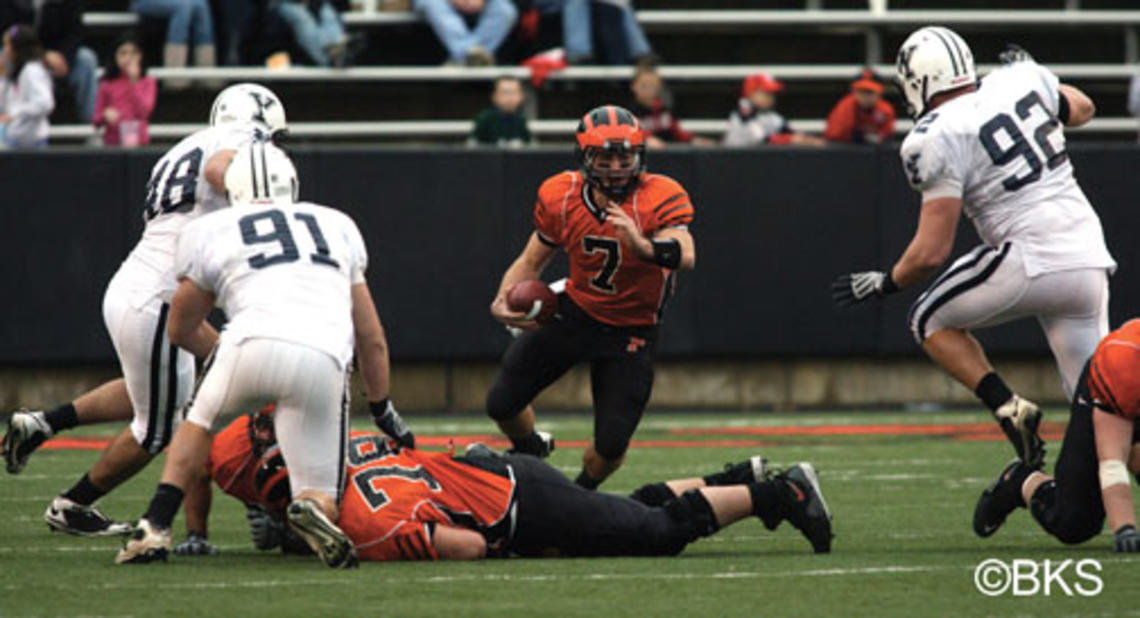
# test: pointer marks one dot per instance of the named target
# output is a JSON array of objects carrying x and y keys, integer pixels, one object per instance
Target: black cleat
[
  {"x": 806, "y": 509},
  {"x": 1019, "y": 419},
  {"x": 540, "y": 444},
  {"x": 1000, "y": 499},
  {"x": 63, "y": 515}
]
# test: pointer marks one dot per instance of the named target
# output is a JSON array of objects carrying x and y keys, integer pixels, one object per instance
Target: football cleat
[
  {"x": 1000, "y": 499},
  {"x": 543, "y": 446},
  {"x": 807, "y": 510},
  {"x": 327, "y": 540},
  {"x": 752, "y": 470},
  {"x": 1019, "y": 419},
  {"x": 27, "y": 430},
  {"x": 64, "y": 515},
  {"x": 147, "y": 543}
]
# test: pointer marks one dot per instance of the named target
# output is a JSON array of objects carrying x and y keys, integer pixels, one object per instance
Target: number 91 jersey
[
  {"x": 279, "y": 272},
  {"x": 1001, "y": 149}
]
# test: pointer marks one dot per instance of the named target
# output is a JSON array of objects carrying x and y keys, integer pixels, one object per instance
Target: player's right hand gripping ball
[
  {"x": 851, "y": 288},
  {"x": 1126, "y": 540},
  {"x": 535, "y": 299}
]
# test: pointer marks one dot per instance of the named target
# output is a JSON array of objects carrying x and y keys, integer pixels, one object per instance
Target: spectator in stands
[
  {"x": 473, "y": 46},
  {"x": 656, "y": 115},
  {"x": 503, "y": 124},
  {"x": 189, "y": 25},
  {"x": 623, "y": 41},
  {"x": 126, "y": 97},
  {"x": 755, "y": 120},
  {"x": 59, "y": 28},
  {"x": 318, "y": 29},
  {"x": 26, "y": 98},
  {"x": 862, "y": 116}
]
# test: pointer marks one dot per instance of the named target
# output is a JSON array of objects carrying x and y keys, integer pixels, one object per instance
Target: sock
[
  {"x": 84, "y": 492},
  {"x": 529, "y": 445},
  {"x": 587, "y": 481},
  {"x": 992, "y": 391},
  {"x": 165, "y": 503},
  {"x": 62, "y": 418},
  {"x": 768, "y": 501}
]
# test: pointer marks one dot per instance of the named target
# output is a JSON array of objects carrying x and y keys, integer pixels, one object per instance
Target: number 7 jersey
[
  {"x": 279, "y": 271},
  {"x": 1001, "y": 149}
]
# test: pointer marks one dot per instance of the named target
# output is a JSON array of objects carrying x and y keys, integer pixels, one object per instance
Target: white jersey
[
  {"x": 176, "y": 194},
  {"x": 279, "y": 272},
  {"x": 1001, "y": 149}
]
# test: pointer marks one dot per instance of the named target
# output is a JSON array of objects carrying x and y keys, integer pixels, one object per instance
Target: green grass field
[{"x": 902, "y": 506}]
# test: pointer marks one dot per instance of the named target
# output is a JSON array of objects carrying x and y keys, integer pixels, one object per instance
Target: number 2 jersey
[
  {"x": 176, "y": 194},
  {"x": 1001, "y": 149},
  {"x": 279, "y": 272},
  {"x": 607, "y": 279}
]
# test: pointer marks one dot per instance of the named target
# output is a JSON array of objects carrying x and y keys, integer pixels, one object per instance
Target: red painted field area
[{"x": 724, "y": 436}]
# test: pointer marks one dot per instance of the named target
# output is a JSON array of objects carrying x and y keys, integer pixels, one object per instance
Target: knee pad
[
  {"x": 611, "y": 448},
  {"x": 654, "y": 494},
  {"x": 1068, "y": 525},
  {"x": 694, "y": 513},
  {"x": 500, "y": 405}
]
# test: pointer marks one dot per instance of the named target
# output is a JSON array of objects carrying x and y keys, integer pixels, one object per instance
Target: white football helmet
[
  {"x": 244, "y": 103},
  {"x": 261, "y": 174},
  {"x": 933, "y": 60}
]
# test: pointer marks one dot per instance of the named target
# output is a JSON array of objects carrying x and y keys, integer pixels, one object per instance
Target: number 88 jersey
[
  {"x": 176, "y": 193},
  {"x": 1001, "y": 149},
  {"x": 607, "y": 278}
]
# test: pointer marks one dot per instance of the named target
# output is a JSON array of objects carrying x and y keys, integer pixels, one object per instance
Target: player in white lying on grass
[
  {"x": 290, "y": 278},
  {"x": 185, "y": 183},
  {"x": 995, "y": 150}
]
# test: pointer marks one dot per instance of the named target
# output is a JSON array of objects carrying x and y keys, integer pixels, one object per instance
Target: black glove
[
  {"x": 263, "y": 529},
  {"x": 1014, "y": 53},
  {"x": 390, "y": 422},
  {"x": 195, "y": 545},
  {"x": 853, "y": 288},
  {"x": 1126, "y": 540}
]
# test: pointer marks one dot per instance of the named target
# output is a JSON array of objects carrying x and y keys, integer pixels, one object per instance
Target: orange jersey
[
  {"x": 607, "y": 279},
  {"x": 393, "y": 500},
  {"x": 232, "y": 462},
  {"x": 1114, "y": 371}
]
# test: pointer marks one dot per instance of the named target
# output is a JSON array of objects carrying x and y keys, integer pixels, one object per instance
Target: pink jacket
[{"x": 133, "y": 101}]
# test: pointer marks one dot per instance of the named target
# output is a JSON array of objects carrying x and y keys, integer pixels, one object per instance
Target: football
[{"x": 534, "y": 298}]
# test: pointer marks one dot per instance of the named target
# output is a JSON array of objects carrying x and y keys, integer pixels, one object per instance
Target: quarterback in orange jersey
[
  {"x": 1100, "y": 452},
  {"x": 626, "y": 233}
]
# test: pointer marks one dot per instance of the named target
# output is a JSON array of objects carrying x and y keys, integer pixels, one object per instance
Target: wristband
[
  {"x": 378, "y": 408},
  {"x": 667, "y": 253},
  {"x": 1124, "y": 528},
  {"x": 889, "y": 285}
]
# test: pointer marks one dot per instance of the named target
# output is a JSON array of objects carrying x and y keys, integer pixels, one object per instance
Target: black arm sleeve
[{"x": 1063, "y": 108}]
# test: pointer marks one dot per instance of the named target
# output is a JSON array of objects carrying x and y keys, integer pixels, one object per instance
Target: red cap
[
  {"x": 761, "y": 81},
  {"x": 867, "y": 80}
]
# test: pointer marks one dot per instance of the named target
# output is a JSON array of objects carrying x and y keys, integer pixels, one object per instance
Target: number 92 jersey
[
  {"x": 1001, "y": 149},
  {"x": 279, "y": 272}
]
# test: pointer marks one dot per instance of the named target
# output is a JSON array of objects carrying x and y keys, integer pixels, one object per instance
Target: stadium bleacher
[{"x": 399, "y": 92}]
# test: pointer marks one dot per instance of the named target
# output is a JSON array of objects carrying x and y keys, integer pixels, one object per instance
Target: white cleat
[
  {"x": 1019, "y": 419},
  {"x": 64, "y": 515},
  {"x": 324, "y": 537},
  {"x": 146, "y": 544},
  {"x": 27, "y": 430}
]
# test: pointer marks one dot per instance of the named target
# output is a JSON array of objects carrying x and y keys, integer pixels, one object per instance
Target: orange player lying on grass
[{"x": 400, "y": 503}]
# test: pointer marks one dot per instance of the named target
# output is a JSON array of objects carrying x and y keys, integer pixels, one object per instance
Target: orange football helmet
[{"x": 611, "y": 150}]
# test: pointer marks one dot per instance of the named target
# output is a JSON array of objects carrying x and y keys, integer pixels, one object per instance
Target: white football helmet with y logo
[
  {"x": 933, "y": 60},
  {"x": 261, "y": 174},
  {"x": 244, "y": 103}
]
